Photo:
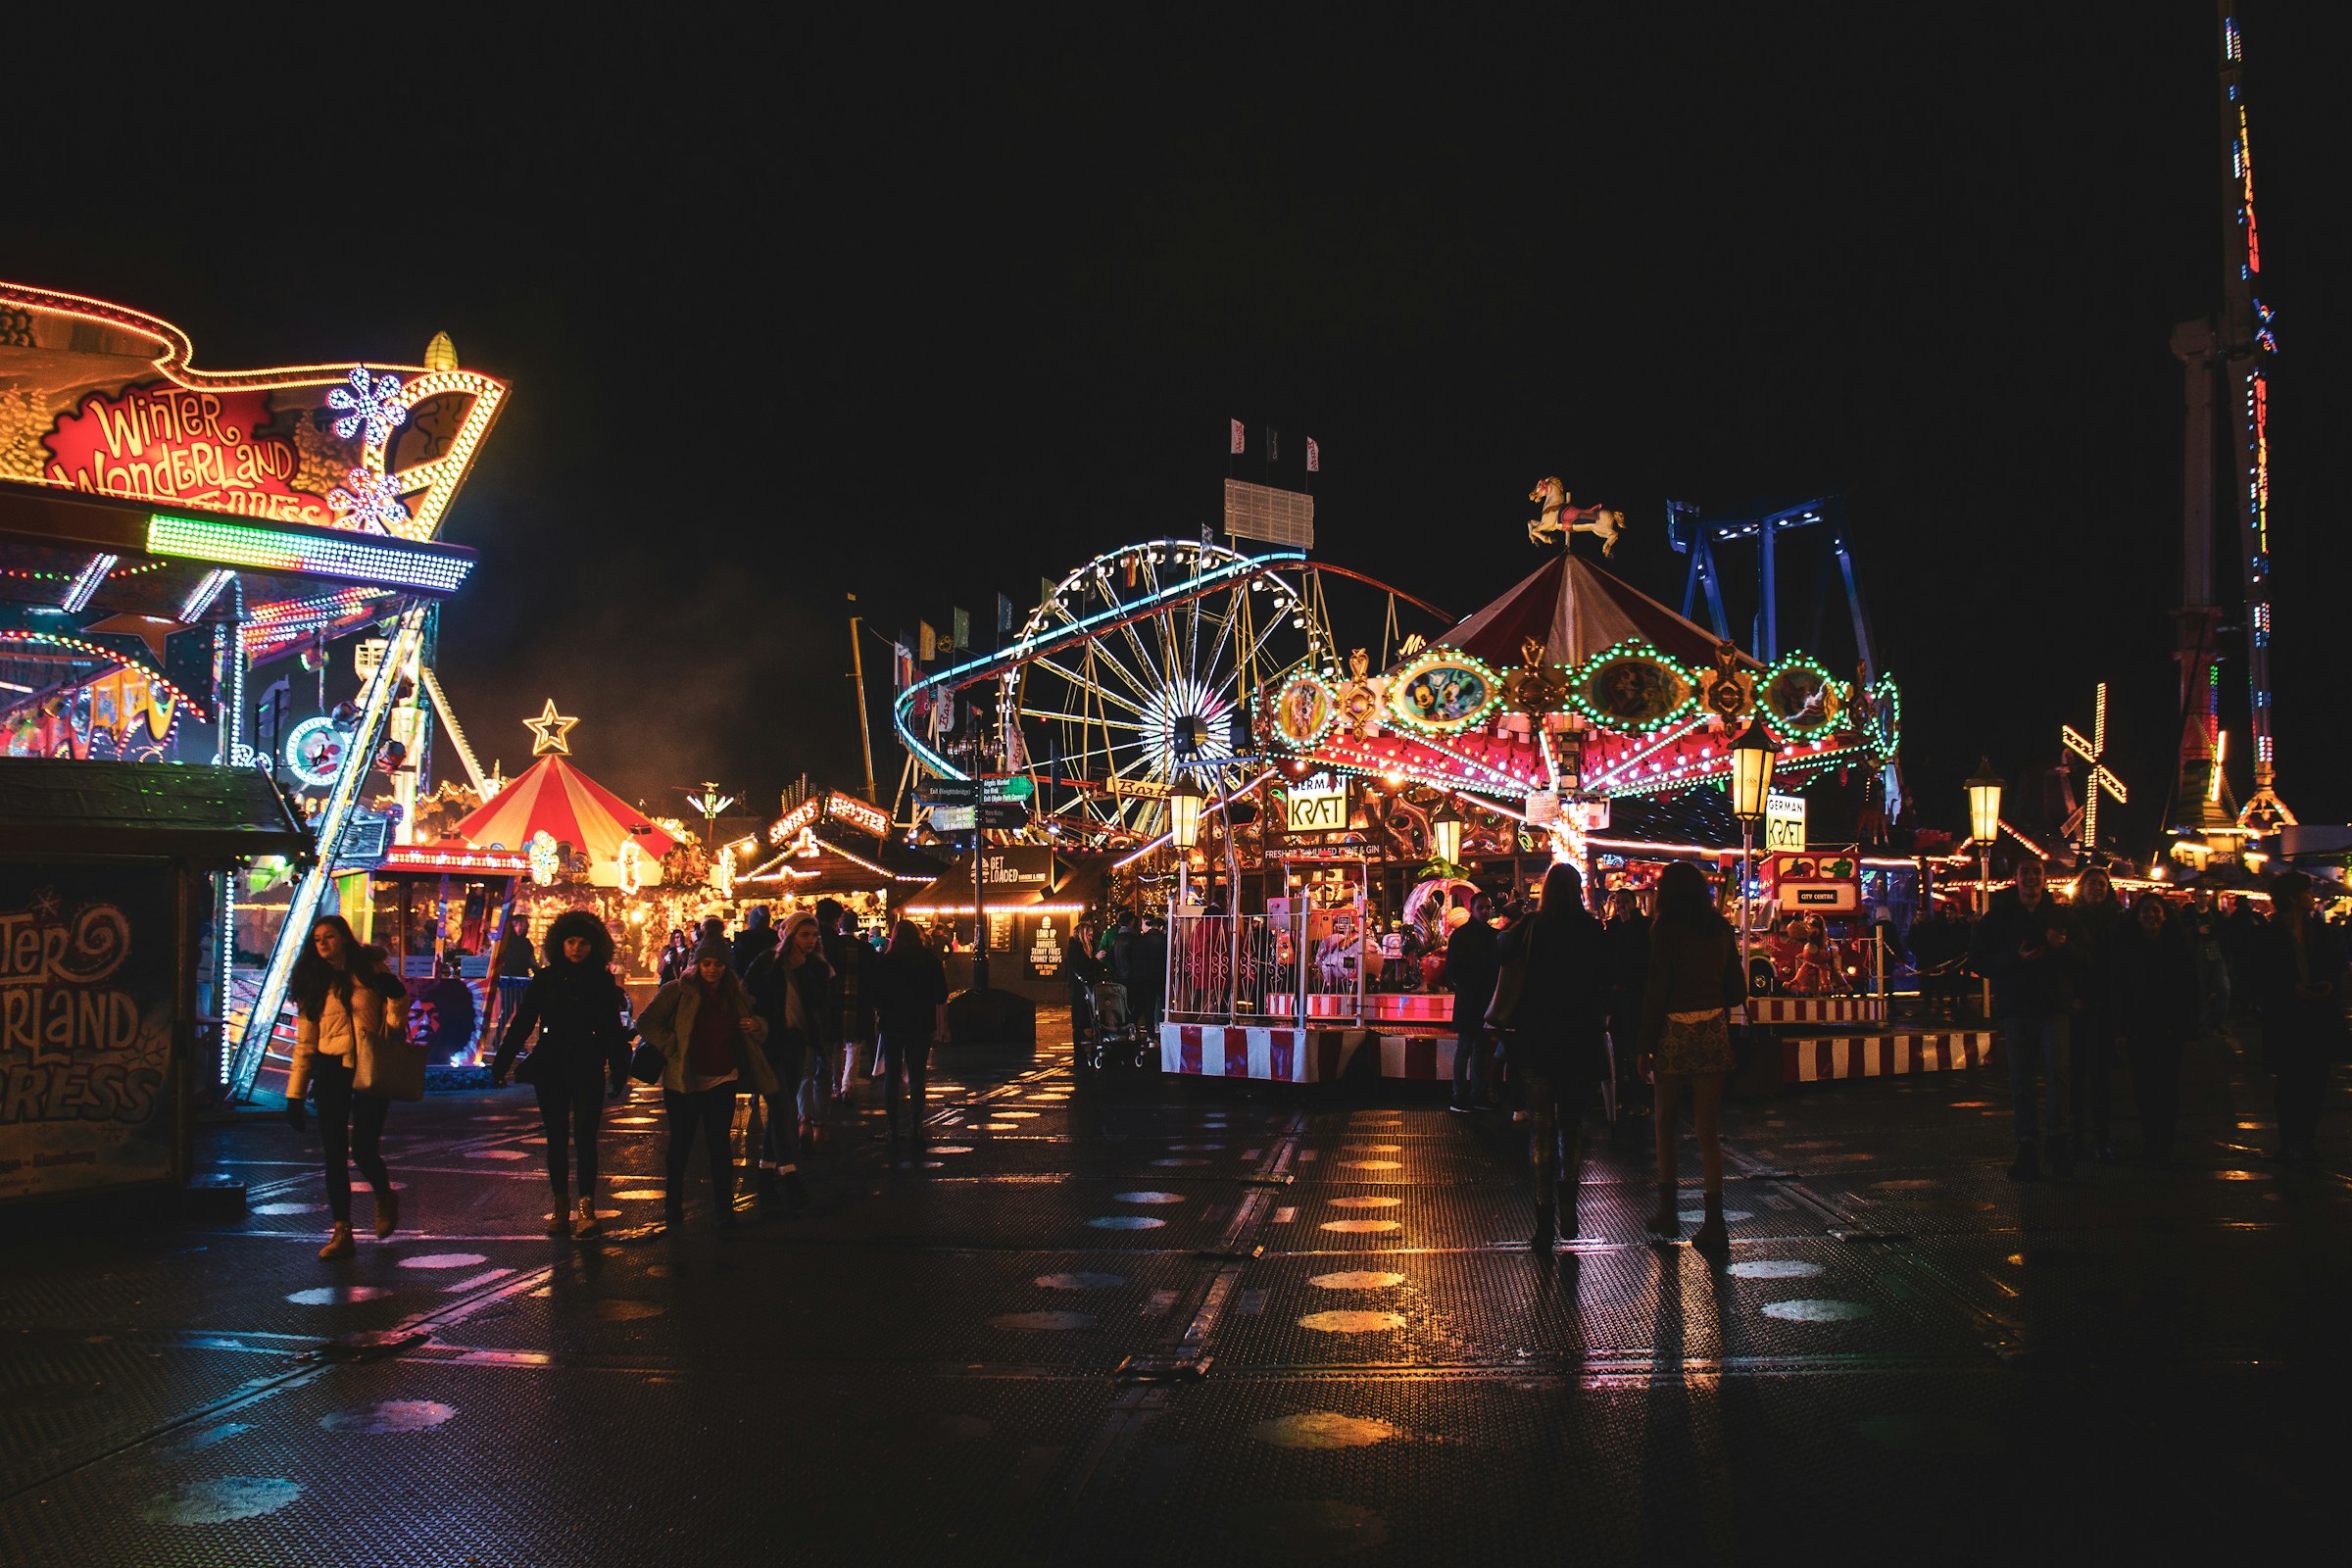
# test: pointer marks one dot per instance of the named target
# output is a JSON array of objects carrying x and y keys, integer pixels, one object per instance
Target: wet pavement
[{"x": 1148, "y": 1321}]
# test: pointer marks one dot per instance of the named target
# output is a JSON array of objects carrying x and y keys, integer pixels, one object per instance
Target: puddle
[
  {"x": 1817, "y": 1312},
  {"x": 1774, "y": 1268},
  {"x": 1355, "y": 1280},
  {"x": 1126, "y": 1222},
  {"x": 390, "y": 1415},
  {"x": 336, "y": 1295},
  {"x": 1079, "y": 1282},
  {"x": 1362, "y": 1227},
  {"x": 1352, "y": 1322},
  {"x": 1323, "y": 1429},
  {"x": 444, "y": 1260},
  {"x": 1147, "y": 1197},
  {"x": 222, "y": 1500}
]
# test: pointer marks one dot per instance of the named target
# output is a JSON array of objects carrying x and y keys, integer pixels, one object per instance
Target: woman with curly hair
[
  {"x": 349, "y": 1007},
  {"x": 576, "y": 1004},
  {"x": 1686, "y": 1040}
]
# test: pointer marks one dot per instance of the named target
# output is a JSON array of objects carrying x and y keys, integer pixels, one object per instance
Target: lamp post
[
  {"x": 1184, "y": 828},
  {"x": 1984, "y": 826},
  {"x": 1446, "y": 832},
  {"x": 1752, "y": 757}
]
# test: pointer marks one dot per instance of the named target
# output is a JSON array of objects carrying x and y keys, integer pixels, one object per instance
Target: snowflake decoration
[
  {"x": 369, "y": 502},
  {"x": 46, "y": 904},
  {"x": 370, "y": 402}
]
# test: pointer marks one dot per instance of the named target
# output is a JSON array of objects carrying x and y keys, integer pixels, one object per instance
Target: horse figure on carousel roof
[{"x": 1559, "y": 518}]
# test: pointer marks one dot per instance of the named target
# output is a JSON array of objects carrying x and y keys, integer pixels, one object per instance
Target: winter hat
[{"x": 712, "y": 948}]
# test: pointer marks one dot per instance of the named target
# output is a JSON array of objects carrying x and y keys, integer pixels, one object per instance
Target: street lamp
[
  {"x": 1446, "y": 833},
  {"x": 1752, "y": 756},
  {"x": 1184, "y": 829},
  {"x": 1984, "y": 826}
]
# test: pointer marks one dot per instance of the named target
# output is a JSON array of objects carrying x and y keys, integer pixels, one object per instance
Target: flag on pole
[
  {"x": 1273, "y": 445},
  {"x": 1004, "y": 619},
  {"x": 927, "y": 642},
  {"x": 1237, "y": 436},
  {"x": 1314, "y": 457},
  {"x": 963, "y": 631},
  {"x": 902, "y": 673}
]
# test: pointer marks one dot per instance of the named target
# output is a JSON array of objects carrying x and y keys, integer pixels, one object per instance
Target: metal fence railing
[{"x": 1287, "y": 968}]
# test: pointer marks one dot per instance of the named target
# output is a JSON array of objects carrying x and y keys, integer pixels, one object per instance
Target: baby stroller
[{"x": 1114, "y": 1039}]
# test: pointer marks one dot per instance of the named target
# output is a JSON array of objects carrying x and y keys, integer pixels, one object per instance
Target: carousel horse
[{"x": 1564, "y": 519}]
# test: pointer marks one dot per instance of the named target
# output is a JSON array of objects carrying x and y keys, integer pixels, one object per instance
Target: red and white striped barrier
[
  {"x": 1418, "y": 1056},
  {"x": 1277, "y": 1056},
  {"x": 1816, "y": 1010},
  {"x": 1818, "y": 1061}
]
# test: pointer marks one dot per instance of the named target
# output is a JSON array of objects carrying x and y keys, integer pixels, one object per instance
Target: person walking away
[
  {"x": 1473, "y": 961},
  {"x": 756, "y": 941},
  {"x": 709, "y": 1037},
  {"x": 1685, "y": 1043},
  {"x": 1081, "y": 971},
  {"x": 2212, "y": 970},
  {"x": 576, "y": 1004},
  {"x": 348, "y": 1008},
  {"x": 910, "y": 1008},
  {"x": 790, "y": 991},
  {"x": 853, "y": 1003},
  {"x": 1930, "y": 944},
  {"x": 2298, "y": 966},
  {"x": 1148, "y": 964},
  {"x": 2158, "y": 985},
  {"x": 1629, "y": 977},
  {"x": 1554, "y": 1041},
  {"x": 2102, "y": 927},
  {"x": 512, "y": 963},
  {"x": 2022, "y": 945}
]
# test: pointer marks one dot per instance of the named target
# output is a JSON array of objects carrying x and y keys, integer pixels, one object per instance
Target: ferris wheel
[{"x": 1137, "y": 667}]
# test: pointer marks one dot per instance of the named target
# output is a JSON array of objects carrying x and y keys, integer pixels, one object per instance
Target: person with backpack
[
  {"x": 576, "y": 1004},
  {"x": 349, "y": 1008}
]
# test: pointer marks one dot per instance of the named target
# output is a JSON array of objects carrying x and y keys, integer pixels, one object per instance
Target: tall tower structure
[{"x": 2225, "y": 360}]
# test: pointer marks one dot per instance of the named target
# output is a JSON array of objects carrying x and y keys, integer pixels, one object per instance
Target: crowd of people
[{"x": 1547, "y": 1000}]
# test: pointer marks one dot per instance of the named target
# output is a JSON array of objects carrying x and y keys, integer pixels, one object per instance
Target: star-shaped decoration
[
  {"x": 46, "y": 904},
  {"x": 547, "y": 731}
]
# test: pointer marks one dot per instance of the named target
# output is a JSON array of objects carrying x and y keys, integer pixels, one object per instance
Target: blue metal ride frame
[{"x": 1697, "y": 539}]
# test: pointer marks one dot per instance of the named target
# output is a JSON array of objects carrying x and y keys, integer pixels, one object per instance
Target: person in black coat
[
  {"x": 1554, "y": 1040},
  {"x": 2156, "y": 967},
  {"x": 792, "y": 988},
  {"x": 911, "y": 1008},
  {"x": 1082, "y": 970},
  {"x": 1628, "y": 934},
  {"x": 2025, "y": 946},
  {"x": 1473, "y": 960},
  {"x": 576, "y": 1004},
  {"x": 2297, "y": 967}
]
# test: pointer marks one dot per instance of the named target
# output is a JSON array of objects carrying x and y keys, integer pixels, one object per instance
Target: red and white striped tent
[{"x": 572, "y": 809}]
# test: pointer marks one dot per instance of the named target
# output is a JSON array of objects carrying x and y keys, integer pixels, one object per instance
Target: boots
[
  {"x": 1667, "y": 1223},
  {"x": 558, "y": 1223},
  {"x": 2062, "y": 1156},
  {"x": 338, "y": 1241},
  {"x": 1540, "y": 1241},
  {"x": 2025, "y": 1168},
  {"x": 387, "y": 1213},
  {"x": 1711, "y": 1236},
  {"x": 587, "y": 1225}
]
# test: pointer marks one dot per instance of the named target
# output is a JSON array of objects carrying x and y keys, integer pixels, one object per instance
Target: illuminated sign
[
  {"x": 1784, "y": 821},
  {"x": 792, "y": 821},
  {"x": 867, "y": 818},
  {"x": 1139, "y": 789},
  {"x": 1322, "y": 810},
  {"x": 315, "y": 750},
  {"x": 109, "y": 402}
]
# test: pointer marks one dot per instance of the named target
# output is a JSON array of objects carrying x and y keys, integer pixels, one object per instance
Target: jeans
[
  {"x": 1469, "y": 1064},
  {"x": 351, "y": 1126},
  {"x": 1546, "y": 1119},
  {"x": 2156, "y": 1090},
  {"x": 570, "y": 1111},
  {"x": 710, "y": 1112},
  {"x": 2026, "y": 1043},
  {"x": 905, "y": 1058},
  {"x": 2302, "y": 1092},
  {"x": 2213, "y": 985},
  {"x": 2091, "y": 1077}
]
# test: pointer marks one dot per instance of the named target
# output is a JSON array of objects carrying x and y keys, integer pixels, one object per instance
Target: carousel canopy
[
  {"x": 570, "y": 807},
  {"x": 1576, "y": 611}
]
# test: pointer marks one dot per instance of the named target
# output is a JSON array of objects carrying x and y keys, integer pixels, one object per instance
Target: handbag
[
  {"x": 646, "y": 1064},
  {"x": 393, "y": 1069},
  {"x": 1509, "y": 983}
]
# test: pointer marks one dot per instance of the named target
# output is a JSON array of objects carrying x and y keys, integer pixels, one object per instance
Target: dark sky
[{"x": 924, "y": 316}]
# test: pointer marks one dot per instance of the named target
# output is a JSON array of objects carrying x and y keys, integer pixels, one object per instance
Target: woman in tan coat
[
  {"x": 349, "y": 1005},
  {"x": 709, "y": 1035}
]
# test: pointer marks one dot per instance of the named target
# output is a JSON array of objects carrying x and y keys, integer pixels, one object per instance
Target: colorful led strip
[
  {"x": 76, "y": 645},
  {"x": 362, "y": 557},
  {"x": 85, "y": 582}
]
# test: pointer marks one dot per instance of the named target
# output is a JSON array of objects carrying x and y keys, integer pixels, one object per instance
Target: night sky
[{"x": 925, "y": 317}]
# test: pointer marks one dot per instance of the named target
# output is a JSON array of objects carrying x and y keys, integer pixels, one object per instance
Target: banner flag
[
  {"x": 1237, "y": 437},
  {"x": 1314, "y": 457}
]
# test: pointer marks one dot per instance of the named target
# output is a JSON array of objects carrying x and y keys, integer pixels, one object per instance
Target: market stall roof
[
  {"x": 61, "y": 806},
  {"x": 827, "y": 860},
  {"x": 570, "y": 807},
  {"x": 1578, "y": 611}
]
